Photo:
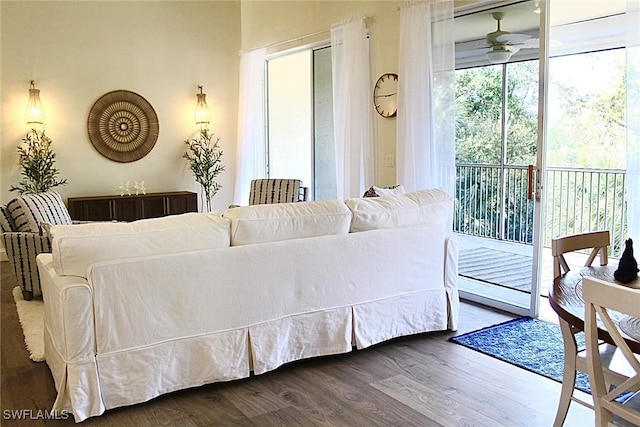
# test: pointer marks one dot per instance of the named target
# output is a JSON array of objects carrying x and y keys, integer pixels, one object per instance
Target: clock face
[{"x": 385, "y": 95}]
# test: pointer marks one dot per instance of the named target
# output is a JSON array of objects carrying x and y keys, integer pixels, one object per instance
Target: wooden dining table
[{"x": 565, "y": 297}]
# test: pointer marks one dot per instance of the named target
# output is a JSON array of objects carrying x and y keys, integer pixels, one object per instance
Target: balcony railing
[{"x": 491, "y": 201}]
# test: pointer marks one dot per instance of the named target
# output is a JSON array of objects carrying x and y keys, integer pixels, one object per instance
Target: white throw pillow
[
  {"x": 424, "y": 207},
  {"x": 76, "y": 247},
  {"x": 284, "y": 221},
  {"x": 381, "y": 191}
]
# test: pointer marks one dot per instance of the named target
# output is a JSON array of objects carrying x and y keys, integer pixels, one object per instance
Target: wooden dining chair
[
  {"x": 612, "y": 305},
  {"x": 574, "y": 360},
  {"x": 597, "y": 241}
]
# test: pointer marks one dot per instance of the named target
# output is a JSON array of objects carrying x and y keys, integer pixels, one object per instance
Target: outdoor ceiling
[
  {"x": 573, "y": 25},
  {"x": 520, "y": 16}
]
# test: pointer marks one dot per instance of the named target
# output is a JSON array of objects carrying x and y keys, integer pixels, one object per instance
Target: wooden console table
[{"x": 131, "y": 208}]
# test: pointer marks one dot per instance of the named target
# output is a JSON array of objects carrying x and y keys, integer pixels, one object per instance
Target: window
[
  {"x": 496, "y": 138},
  {"x": 481, "y": 135},
  {"x": 587, "y": 110}
]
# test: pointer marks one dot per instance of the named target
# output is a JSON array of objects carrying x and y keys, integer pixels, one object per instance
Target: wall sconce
[
  {"x": 34, "y": 112},
  {"x": 202, "y": 114}
]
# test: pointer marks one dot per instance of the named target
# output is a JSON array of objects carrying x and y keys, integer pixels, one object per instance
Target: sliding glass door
[
  {"x": 540, "y": 142},
  {"x": 498, "y": 141}
]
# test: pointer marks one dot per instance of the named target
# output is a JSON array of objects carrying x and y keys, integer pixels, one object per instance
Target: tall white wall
[{"x": 78, "y": 51}]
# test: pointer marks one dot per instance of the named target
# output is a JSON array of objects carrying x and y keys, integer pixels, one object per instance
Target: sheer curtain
[
  {"x": 250, "y": 155},
  {"x": 633, "y": 119},
  {"x": 352, "y": 108},
  {"x": 425, "y": 140}
]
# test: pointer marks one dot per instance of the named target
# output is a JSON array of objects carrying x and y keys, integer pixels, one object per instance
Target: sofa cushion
[
  {"x": 76, "y": 247},
  {"x": 423, "y": 207},
  {"x": 29, "y": 211},
  {"x": 284, "y": 221}
]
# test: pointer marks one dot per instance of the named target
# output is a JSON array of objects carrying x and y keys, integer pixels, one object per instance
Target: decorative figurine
[{"x": 627, "y": 270}]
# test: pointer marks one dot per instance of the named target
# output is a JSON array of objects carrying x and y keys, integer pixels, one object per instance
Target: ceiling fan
[{"x": 504, "y": 44}]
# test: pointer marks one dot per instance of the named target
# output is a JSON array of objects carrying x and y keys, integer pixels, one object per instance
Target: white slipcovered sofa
[{"x": 135, "y": 310}]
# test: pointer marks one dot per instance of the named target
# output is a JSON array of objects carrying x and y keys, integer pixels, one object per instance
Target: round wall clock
[
  {"x": 385, "y": 95},
  {"x": 123, "y": 126}
]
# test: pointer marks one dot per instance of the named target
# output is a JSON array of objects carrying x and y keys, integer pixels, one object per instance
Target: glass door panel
[
  {"x": 497, "y": 110},
  {"x": 586, "y": 133}
]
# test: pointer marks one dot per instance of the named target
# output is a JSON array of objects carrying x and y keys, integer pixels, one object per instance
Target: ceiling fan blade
[
  {"x": 530, "y": 44},
  {"x": 534, "y": 43},
  {"x": 512, "y": 38}
]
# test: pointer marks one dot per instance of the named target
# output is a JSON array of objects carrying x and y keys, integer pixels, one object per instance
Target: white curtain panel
[
  {"x": 633, "y": 119},
  {"x": 250, "y": 155},
  {"x": 353, "y": 130},
  {"x": 425, "y": 140}
]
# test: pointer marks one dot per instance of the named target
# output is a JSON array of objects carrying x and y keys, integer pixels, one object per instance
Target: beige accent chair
[{"x": 611, "y": 305}]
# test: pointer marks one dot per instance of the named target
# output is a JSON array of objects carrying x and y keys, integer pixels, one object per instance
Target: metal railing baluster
[{"x": 578, "y": 200}]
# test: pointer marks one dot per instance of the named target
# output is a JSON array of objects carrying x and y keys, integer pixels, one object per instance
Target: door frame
[{"x": 539, "y": 193}]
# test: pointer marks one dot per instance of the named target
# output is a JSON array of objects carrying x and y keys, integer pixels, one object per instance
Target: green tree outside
[{"x": 586, "y": 130}]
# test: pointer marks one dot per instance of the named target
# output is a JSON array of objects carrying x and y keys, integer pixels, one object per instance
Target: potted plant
[
  {"x": 37, "y": 160},
  {"x": 205, "y": 160}
]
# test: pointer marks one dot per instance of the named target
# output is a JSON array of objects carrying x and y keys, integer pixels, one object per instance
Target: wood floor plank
[
  {"x": 488, "y": 397},
  {"x": 254, "y": 398},
  {"x": 361, "y": 399},
  {"x": 289, "y": 416},
  {"x": 433, "y": 404}
]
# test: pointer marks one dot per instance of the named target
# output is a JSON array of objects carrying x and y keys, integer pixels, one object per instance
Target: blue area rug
[{"x": 528, "y": 343}]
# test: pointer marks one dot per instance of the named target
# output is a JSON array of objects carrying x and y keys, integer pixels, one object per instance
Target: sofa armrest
[
  {"x": 68, "y": 316},
  {"x": 22, "y": 249},
  {"x": 69, "y": 341}
]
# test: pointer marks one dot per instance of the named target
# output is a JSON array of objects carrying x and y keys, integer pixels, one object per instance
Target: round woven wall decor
[{"x": 123, "y": 126}]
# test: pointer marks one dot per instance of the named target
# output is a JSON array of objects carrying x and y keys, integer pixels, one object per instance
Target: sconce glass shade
[
  {"x": 202, "y": 114},
  {"x": 34, "y": 112}
]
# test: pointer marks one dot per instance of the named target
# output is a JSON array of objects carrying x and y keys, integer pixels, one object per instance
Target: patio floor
[{"x": 507, "y": 264}]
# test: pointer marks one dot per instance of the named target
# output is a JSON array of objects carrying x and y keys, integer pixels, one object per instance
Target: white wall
[
  {"x": 78, "y": 51},
  {"x": 269, "y": 22}
]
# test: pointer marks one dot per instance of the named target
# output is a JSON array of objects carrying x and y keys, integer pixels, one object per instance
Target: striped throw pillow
[{"x": 29, "y": 211}]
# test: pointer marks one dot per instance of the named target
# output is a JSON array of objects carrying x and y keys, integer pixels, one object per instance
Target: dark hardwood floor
[{"x": 422, "y": 380}]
